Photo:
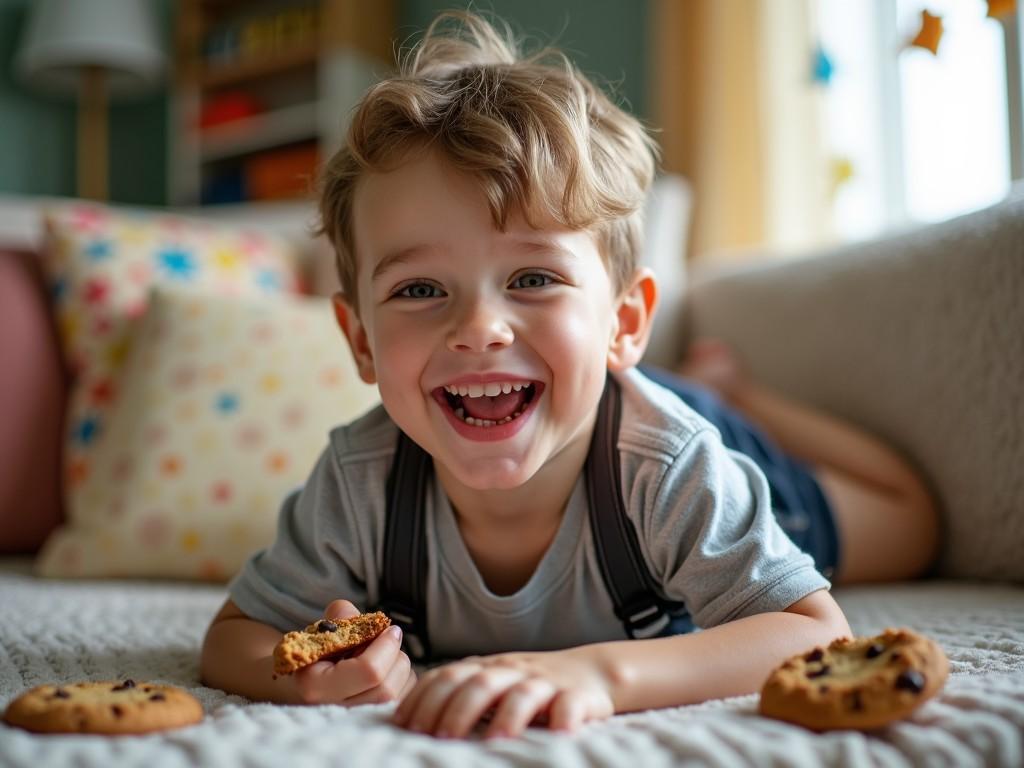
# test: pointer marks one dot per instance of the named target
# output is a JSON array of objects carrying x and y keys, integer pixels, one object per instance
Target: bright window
[{"x": 926, "y": 136}]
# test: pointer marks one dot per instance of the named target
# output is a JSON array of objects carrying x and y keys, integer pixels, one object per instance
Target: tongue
[{"x": 494, "y": 408}]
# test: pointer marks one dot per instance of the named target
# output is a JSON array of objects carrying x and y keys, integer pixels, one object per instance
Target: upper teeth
[{"x": 490, "y": 389}]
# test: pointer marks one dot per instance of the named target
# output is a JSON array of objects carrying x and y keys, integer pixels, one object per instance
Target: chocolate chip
[
  {"x": 118, "y": 712},
  {"x": 129, "y": 683},
  {"x": 815, "y": 655},
  {"x": 875, "y": 649},
  {"x": 910, "y": 680},
  {"x": 822, "y": 689},
  {"x": 60, "y": 693},
  {"x": 157, "y": 697},
  {"x": 818, "y": 672},
  {"x": 326, "y": 626}
]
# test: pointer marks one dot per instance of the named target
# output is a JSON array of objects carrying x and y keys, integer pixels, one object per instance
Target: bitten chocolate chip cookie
[
  {"x": 327, "y": 639},
  {"x": 109, "y": 707},
  {"x": 864, "y": 682}
]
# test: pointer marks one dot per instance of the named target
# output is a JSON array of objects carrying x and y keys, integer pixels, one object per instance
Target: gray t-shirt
[{"x": 701, "y": 514}]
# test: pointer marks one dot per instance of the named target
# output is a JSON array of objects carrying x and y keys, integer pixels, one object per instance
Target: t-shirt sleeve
[
  {"x": 317, "y": 555},
  {"x": 712, "y": 539}
]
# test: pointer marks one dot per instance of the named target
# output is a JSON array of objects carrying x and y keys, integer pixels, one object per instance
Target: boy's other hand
[
  {"x": 565, "y": 688},
  {"x": 380, "y": 673}
]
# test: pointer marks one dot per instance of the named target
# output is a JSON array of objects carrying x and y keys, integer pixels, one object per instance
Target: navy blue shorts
[{"x": 800, "y": 506}]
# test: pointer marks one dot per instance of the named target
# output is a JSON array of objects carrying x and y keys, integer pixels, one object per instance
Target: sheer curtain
[{"x": 737, "y": 116}]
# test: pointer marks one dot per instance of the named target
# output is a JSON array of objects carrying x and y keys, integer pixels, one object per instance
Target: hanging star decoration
[
  {"x": 841, "y": 171},
  {"x": 998, "y": 8},
  {"x": 821, "y": 66},
  {"x": 930, "y": 33}
]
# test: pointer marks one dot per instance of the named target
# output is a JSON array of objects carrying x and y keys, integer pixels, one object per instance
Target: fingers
[
  {"x": 399, "y": 680},
  {"x": 345, "y": 681},
  {"x": 340, "y": 609},
  {"x": 421, "y": 709},
  {"x": 450, "y": 701},
  {"x": 371, "y": 667},
  {"x": 474, "y": 697},
  {"x": 519, "y": 707},
  {"x": 568, "y": 712}
]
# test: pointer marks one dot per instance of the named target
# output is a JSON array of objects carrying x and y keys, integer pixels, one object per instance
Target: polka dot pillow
[
  {"x": 224, "y": 405},
  {"x": 102, "y": 262}
]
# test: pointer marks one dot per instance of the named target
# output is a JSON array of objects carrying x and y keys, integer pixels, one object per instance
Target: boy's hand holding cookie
[
  {"x": 565, "y": 688},
  {"x": 380, "y": 673}
]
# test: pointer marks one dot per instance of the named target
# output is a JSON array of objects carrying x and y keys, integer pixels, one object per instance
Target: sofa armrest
[
  {"x": 32, "y": 396},
  {"x": 917, "y": 337}
]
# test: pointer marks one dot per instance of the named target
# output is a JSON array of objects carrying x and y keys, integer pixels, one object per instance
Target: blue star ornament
[{"x": 822, "y": 67}]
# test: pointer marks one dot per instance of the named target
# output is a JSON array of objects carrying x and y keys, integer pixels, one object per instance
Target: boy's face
[{"x": 455, "y": 317}]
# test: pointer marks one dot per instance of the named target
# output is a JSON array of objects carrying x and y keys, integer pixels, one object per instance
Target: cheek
[
  {"x": 577, "y": 351},
  {"x": 581, "y": 331},
  {"x": 395, "y": 350}
]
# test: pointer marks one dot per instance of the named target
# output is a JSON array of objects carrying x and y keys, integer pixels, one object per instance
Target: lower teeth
[{"x": 485, "y": 422}]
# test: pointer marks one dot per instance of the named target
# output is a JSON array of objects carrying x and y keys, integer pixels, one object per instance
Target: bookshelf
[{"x": 263, "y": 91}]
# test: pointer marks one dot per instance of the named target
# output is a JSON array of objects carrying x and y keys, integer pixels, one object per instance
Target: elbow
[{"x": 829, "y": 619}]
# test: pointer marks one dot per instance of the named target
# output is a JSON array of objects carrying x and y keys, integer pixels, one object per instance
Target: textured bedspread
[{"x": 52, "y": 631}]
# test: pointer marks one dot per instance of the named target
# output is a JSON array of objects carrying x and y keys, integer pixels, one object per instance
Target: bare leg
[{"x": 887, "y": 521}]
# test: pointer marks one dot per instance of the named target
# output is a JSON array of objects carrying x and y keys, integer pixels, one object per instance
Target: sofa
[{"x": 917, "y": 336}]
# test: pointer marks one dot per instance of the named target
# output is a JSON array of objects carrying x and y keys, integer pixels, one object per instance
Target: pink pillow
[{"x": 32, "y": 397}]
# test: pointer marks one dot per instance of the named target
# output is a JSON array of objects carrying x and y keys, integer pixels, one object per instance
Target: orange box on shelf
[{"x": 283, "y": 173}]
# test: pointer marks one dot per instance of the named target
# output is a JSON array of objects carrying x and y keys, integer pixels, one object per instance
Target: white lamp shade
[{"x": 62, "y": 36}]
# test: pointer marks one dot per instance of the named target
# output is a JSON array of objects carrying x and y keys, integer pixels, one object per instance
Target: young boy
[{"x": 485, "y": 214}]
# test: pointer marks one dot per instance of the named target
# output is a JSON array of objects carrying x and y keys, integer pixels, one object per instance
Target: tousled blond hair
[{"x": 536, "y": 133}]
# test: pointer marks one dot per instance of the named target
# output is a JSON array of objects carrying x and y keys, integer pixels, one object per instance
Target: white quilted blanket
[{"x": 52, "y": 631}]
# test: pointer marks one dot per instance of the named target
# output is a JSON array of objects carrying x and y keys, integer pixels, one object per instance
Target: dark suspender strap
[
  {"x": 403, "y": 588},
  {"x": 637, "y": 604}
]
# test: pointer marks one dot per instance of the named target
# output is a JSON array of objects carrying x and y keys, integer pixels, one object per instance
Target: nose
[{"x": 480, "y": 327}]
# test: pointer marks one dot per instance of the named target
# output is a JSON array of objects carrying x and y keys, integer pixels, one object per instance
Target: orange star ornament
[
  {"x": 1001, "y": 7},
  {"x": 930, "y": 34}
]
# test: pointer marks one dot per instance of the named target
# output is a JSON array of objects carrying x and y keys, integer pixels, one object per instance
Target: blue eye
[
  {"x": 419, "y": 291},
  {"x": 532, "y": 280}
]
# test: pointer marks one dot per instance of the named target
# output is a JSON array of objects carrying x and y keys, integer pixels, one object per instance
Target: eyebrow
[
  {"x": 394, "y": 258},
  {"x": 532, "y": 245},
  {"x": 405, "y": 255}
]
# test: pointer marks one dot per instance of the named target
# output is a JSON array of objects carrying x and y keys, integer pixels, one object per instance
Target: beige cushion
[
  {"x": 920, "y": 339},
  {"x": 225, "y": 404}
]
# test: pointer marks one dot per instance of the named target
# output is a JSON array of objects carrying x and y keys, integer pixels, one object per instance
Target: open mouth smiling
[{"x": 491, "y": 404}]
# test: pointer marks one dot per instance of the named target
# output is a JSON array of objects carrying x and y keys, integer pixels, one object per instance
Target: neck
[
  {"x": 507, "y": 532},
  {"x": 536, "y": 504}
]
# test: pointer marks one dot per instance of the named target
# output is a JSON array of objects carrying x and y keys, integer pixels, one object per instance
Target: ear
[
  {"x": 358, "y": 341},
  {"x": 632, "y": 323}
]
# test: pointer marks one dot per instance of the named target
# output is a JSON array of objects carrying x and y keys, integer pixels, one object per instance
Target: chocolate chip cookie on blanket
[
  {"x": 862, "y": 683},
  {"x": 104, "y": 707}
]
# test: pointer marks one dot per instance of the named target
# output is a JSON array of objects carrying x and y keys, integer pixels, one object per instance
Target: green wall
[
  {"x": 37, "y": 137},
  {"x": 606, "y": 39},
  {"x": 37, "y": 131}
]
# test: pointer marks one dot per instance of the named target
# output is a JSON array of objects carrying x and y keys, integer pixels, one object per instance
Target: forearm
[
  {"x": 728, "y": 660},
  {"x": 238, "y": 657}
]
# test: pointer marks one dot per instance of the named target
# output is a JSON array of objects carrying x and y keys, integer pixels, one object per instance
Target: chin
[{"x": 499, "y": 475}]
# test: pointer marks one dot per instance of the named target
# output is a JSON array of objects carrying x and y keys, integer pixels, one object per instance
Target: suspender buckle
[
  {"x": 412, "y": 642},
  {"x": 645, "y": 621}
]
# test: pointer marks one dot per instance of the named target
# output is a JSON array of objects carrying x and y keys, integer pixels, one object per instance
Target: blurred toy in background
[{"x": 261, "y": 36}]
